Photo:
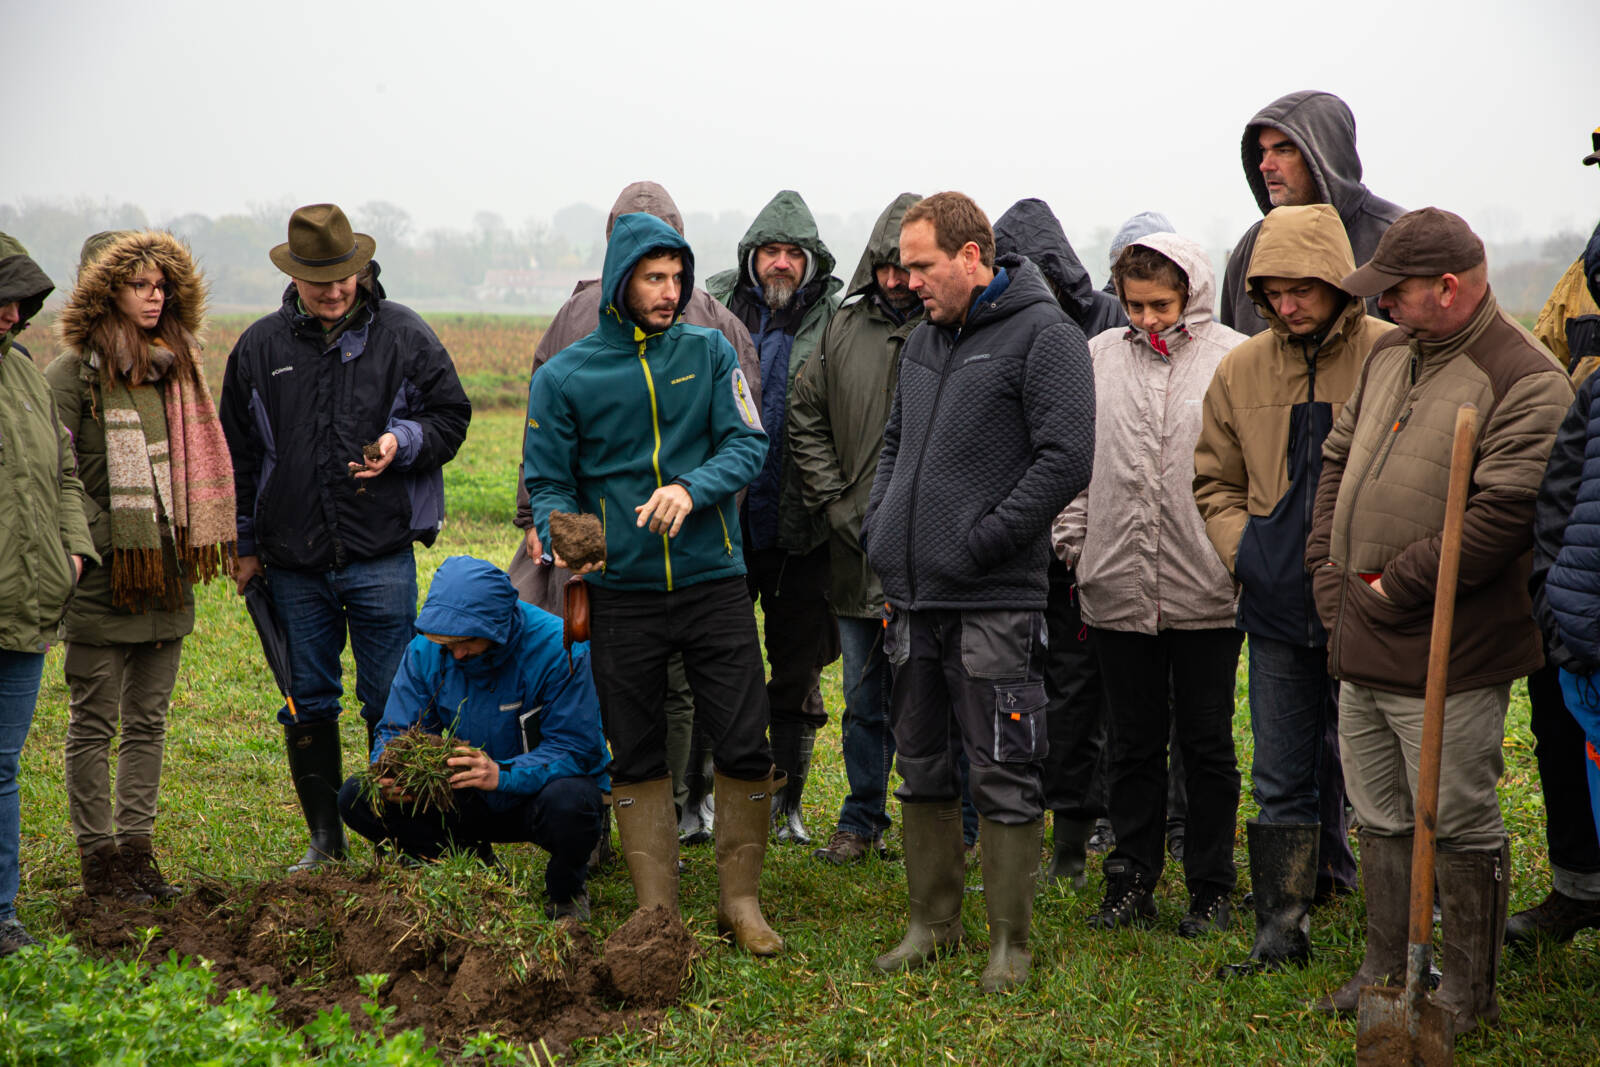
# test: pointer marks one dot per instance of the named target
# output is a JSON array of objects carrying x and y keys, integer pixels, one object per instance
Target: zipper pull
[{"x": 1399, "y": 424}]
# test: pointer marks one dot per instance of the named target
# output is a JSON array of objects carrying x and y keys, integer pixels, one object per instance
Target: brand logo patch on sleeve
[
  {"x": 741, "y": 399},
  {"x": 533, "y": 424}
]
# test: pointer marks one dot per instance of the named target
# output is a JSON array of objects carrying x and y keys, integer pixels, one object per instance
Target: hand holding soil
[
  {"x": 475, "y": 769},
  {"x": 375, "y": 457},
  {"x": 413, "y": 769},
  {"x": 577, "y": 542}
]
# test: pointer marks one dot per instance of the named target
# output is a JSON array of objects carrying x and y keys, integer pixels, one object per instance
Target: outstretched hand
[
  {"x": 666, "y": 509},
  {"x": 388, "y": 445}
]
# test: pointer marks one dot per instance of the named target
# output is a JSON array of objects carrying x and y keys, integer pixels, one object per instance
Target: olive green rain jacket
[{"x": 840, "y": 404}]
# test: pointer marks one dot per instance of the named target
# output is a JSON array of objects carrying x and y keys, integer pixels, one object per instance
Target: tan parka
[{"x": 1266, "y": 413}]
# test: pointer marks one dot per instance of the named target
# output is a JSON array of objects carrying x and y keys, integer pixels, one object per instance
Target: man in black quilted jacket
[{"x": 991, "y": 434}]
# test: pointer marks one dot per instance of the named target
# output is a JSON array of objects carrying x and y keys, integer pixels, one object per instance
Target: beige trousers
[
  {"x": 112, "y": 685},
  {"x": 1380, "y": 740}
]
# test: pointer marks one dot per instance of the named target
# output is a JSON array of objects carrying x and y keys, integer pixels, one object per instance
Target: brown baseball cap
[
  {"x": 1420, "y": 244},
  {"x": 1594, "y": 157}
]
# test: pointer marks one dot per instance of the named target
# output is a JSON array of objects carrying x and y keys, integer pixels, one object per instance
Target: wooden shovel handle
[{"x": 1444, "y": 612}]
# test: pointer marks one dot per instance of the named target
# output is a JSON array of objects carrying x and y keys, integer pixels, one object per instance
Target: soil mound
[{"x": 306, "y": 939}]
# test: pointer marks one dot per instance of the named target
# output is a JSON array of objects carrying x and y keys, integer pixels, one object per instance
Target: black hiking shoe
[
  {"x": 1209, "y": 913},
  {"x": 1554, "y": 920},
  {"x": 1128, "y": 900},
  {"x": 13, "y": 938},
  {"x": 577, "y": 908}
]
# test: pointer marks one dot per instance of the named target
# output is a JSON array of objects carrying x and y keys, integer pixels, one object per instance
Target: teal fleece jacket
[{"x": 623, "y": 412}]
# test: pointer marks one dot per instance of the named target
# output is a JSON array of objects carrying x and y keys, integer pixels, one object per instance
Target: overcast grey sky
[{"x": 450, "y": 107}]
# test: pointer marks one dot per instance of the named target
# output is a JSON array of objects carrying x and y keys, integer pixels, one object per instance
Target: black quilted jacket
[{"x": 991, "y": 435}]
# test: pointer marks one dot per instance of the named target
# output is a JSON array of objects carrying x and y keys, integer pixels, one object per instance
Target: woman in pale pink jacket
[{"x": 1158, "y": 602}]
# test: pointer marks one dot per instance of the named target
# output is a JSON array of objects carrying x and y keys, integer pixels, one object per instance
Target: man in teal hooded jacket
[{"x": 647, "y": 424}]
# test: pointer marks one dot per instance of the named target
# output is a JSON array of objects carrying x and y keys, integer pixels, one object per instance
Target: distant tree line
[{"x": 446, "y": 268}]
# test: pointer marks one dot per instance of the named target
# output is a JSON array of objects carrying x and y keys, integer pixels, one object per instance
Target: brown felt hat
[
  {"x": 1421, "y": 244},
  {"x": 321, "y": 246},
  {"x": 1594, "y": 139}
]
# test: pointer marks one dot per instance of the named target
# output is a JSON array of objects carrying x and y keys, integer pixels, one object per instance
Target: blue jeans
[
  {"x": 377, "y": 600},
  {"x": 19, "y": 691},
  {"x": 867, "y": 741},
  {"x": 1294, "y": 718}
]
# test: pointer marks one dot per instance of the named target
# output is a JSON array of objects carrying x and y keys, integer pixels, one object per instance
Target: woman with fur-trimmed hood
[{"x": 158, "y": 493}]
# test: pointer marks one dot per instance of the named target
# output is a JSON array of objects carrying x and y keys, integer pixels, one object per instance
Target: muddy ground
[{"x": 306, "y": 938}]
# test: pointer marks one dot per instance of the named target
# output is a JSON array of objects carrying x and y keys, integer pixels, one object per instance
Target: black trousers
[
  {"x": 1074, "y": 770},
  {"x": 973, "y": 681},
  {"x": 631, "y": 634},
  {"x": 564, "y": 818},
  {"x": 1196, "y": 669},
  {"x": 802, "y": 636},
  {"x": 1563, "y": 776}
]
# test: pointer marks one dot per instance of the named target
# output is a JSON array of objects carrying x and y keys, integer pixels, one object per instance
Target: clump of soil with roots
[
  {"x": 578, "y": 539},
  {"x": 418, "y": 761},
  {"x": 461, "y": 955}
]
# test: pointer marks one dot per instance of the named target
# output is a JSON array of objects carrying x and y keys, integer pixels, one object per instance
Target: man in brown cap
[
  {"x": 1373, "y": 554},
  {"x": 340, "y": 408}
]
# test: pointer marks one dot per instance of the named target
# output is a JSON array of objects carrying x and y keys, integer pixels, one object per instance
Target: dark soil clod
[
  {"x": 417, "y": 761},
  {"x": 306, "y": 939},
  {"x": 577, "y": 539}
]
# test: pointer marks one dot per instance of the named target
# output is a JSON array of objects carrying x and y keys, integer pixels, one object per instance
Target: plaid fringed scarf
[{"x": 185, "y": 472}]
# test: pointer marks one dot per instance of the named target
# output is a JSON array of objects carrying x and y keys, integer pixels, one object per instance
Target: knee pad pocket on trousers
[{"x": 929, "y": 776}]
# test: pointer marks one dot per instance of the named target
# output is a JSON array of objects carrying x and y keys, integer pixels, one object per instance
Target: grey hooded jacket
[
  {"x": 1030, "y": 229},
  {"x": 1323, "y": 128}
]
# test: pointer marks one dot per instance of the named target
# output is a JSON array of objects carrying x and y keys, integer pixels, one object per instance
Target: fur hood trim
[{"x": 91, "y": 298}]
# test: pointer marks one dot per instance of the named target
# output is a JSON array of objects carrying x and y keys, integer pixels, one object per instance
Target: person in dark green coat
[
  {"x": 44, "y": 543},
  {"x": 158, "y": 487},
  {"x": 842, "y": 398},
  {"x": 784, "y": 292}
]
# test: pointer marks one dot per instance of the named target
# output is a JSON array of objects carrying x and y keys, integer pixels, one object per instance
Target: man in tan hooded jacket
[{"x": 1266, "y": 414}]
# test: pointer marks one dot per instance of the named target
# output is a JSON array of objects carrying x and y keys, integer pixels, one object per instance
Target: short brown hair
[
  {"x": 956, "y": 219},
  {"x": 1145, "y": 264}
]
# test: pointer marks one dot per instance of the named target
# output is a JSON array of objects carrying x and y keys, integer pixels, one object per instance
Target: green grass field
[{"x": 1131, "y": 997}]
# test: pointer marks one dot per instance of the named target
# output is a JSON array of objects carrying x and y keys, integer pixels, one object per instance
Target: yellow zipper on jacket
[
  {"x": 603, "y": 538},
  {"x": 655, "y": 456},
  {"x": 727, "y": 543}
]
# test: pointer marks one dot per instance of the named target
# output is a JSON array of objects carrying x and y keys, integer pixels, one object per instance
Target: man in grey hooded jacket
[{"x": 1301, "y": 149}]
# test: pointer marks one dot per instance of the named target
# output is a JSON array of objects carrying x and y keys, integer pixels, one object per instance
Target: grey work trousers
[
  {"x": 1380, "y": 740},
  {"x": 111, "y": 686}
]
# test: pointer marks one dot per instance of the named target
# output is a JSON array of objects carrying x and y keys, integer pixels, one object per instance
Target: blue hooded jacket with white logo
[{"x": 519, "y": 702}]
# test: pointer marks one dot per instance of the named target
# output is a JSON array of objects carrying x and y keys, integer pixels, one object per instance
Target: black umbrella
[{"x": 274, "y": 642}]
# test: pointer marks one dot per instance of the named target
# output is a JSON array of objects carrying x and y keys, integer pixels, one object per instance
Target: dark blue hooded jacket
[
  {"x": 622, "y": 412},
  {"x": 1565, "y": 580},
  {"x": 519, "y": 701}
]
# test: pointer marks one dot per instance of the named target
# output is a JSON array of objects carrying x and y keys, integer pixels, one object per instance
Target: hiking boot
[
  {"x": 1210, "y": 912},
  {"x": 14, "y": 938},
  {"x": 577, "y": 908},
  {"x": 1128, "y": 900},
  {"x": 1175, "y": 842},
  {"x": 1010, "y": 856},
  {"x": 140, "y": 864},
  {"x": 743, "y": 811},
  {"x": 317, "y": 769},
  {"x": 845, "y": 846},
  {"x": 1386, "y": 880},
  {"x": 1554, "y": 920},
  {"x": 1473, "y": 890},
  {"x": 649, "y": 840},
  {"x": 1283, "y": 869},
  {"x": 106, "y": 879},
  {"x": 1070, "y": 858},
  {"x": 1102, "y": 838},
  {"x": 935, "y": 882},
  {"x": 792, "y": 744}
]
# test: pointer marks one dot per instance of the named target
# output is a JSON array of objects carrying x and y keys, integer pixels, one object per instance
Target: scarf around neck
[{"x": 171, "y": 479}]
